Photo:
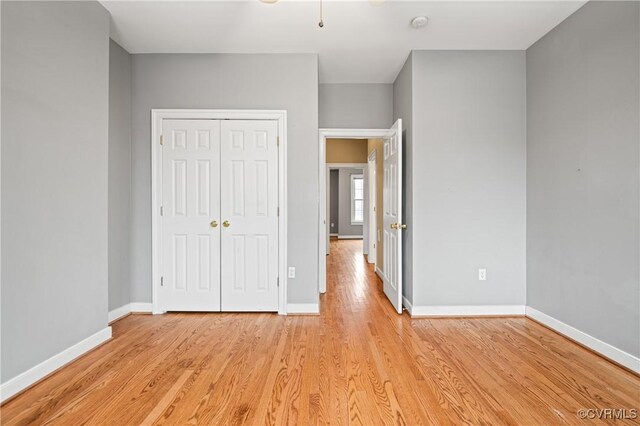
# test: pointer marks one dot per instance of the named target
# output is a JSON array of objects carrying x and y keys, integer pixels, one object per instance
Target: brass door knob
[
  {"x": 394, "y": 226},
  {"x": 226, "y": 224},
  {"x": 213, "y": 224},
  {"x": 402, "y": 226}
]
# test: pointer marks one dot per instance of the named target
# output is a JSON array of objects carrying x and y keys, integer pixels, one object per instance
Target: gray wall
[
  {"x": 344, "y": 210},
  {"x": 288, "y": 82},
  {"x": 334, "y": 205},
  {"x": 469, "y": 155},
  {"x": 119, "y": 175},
  {"x": 364, "y": 106},
  {"x": 403, "y": 109},
  {"x": 55, "y": 94},
  {"x": 582, "y": 173}
]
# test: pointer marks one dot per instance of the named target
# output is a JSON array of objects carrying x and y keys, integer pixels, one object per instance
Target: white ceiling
[{"x": 361, "y": 42}]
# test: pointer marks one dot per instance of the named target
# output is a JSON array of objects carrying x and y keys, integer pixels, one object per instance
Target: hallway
[{"x": 358, "y": 362}]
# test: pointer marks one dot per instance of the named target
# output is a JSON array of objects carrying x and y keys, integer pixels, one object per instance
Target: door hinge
[
  {"x": 278, "y": 212},
  {"x": 278, "y": 140},
  {"x": 161, "y": 211},
  {"x": 278, "y": 281},
  {"x": 161, "y": 140},
  {"x": 161, "y": 281}
]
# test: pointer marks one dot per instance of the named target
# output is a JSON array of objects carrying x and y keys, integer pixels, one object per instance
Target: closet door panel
[
  {"x": 190, "y": 243},
  {"x": 249, "y": 213}
]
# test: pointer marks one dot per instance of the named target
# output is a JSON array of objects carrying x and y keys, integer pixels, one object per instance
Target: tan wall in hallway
[
  {"x": 376, "y": 145},
  {"x": 347, "y": 151}
]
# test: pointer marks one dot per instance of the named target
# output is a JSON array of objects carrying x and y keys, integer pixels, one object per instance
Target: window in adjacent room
[{"x": 357, "y": 199}]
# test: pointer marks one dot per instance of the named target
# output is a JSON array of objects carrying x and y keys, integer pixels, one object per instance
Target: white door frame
[
  {"x": 157, "y": 115},
  {"x": 372, "y": 186},
  {"x": 325, "y": 134}
]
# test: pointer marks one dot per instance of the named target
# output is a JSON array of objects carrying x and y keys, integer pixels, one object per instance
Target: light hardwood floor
[{"x": 357, "y": 363}]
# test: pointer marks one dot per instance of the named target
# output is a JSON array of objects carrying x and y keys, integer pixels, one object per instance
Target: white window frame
[{"x": 353, "y": 178}]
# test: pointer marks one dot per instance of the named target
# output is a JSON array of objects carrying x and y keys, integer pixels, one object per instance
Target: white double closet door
[{"x": 219, "y": 222}]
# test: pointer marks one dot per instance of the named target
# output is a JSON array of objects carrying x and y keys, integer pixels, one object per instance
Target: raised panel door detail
[
  {"x": 203, "y": 187},
  {"x": 239, "y": 264},
  {"x": 262, "y": 188},
  {"x": 179, "y": 139},
  {"x": 237, "y": 140},
  {"x": 203, "y": 139},
  {"x": 386, "y": 206},
  {"x": 203, "y": 259},
  {"x": 179, "y": 184},
  {"x": 393, "y": 260},
  {"x": 260, "y": 138},
  {"x": 180, "y": 262},
  {"x": 237, "y": 187},
  {"x": 262, "y": 262},
  {"x": 393, "y": 177}
]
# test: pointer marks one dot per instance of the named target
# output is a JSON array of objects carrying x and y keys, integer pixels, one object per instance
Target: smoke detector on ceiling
[{"x": 419, "y": 21}]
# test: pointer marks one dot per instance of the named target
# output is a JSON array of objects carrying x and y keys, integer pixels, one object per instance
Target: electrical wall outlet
[
  {"x": 482, "y": 274},
  {"x": 292, "y": 272}
]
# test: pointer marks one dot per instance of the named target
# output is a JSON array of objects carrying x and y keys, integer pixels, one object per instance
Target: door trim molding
[
  {"x": 338, "y": 166},
  {"x": 323, "y": 135},
  {"x": 157, "y": 115},
  {"x": 372, "y": 201}
]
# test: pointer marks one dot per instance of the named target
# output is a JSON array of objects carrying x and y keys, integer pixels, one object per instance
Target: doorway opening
[{"x": 366, "y": 167}]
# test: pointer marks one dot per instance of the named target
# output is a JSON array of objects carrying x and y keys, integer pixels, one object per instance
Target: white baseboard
[
  {"x": 40, "y": 371},
  {"x": 303, "y": 308},
  {"x": 120, "y": 312},
  {"x": 129, "y": 308},
  {"x": 350, "y": 237},
  {"x": 605, "y": 349},
  {"x": 406, "y": 304},
  {"x": 143, "y": 308},
  {"x": 379, "y": 273},
  {"x": 467, "y": 311}
]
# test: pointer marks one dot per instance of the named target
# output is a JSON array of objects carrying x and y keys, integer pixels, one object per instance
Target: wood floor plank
[{"x": 359, "y": 362}]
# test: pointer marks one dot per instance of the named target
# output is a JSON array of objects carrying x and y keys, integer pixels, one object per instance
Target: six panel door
[
  {"x": 190, "y": 243},
  {"x": 392, "y": 216},
  {"x": 249, "y": 213}
]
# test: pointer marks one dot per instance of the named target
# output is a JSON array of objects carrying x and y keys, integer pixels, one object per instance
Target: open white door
[{"x": 392, "y": 216}]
